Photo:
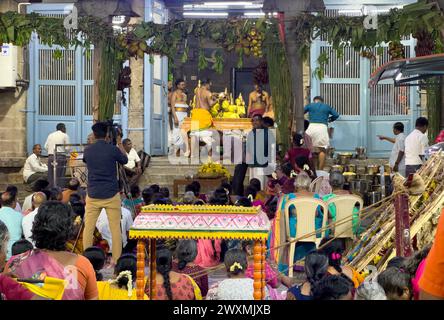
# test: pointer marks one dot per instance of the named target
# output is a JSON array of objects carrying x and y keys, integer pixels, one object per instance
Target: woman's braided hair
[{"x": 164, "y": 266}]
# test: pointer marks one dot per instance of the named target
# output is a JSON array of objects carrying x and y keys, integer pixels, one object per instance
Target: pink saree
[
  {"x": 206, "y": 255},
  {"x": 36, "y": 264}
]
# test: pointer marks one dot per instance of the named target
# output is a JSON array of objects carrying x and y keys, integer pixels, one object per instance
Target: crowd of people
[{"x": 81, "y": 235}]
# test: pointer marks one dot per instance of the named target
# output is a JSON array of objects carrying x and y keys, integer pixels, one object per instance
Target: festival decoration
[{"x": 212, "y": 170}]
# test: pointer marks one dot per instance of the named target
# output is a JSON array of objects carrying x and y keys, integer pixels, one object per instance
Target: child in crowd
[
  {"x": 21, "y": 246},
  {"x": 333, "y": 249},
  {"x": 261, "y": 195},
  {"x": 396, "y": 283},
  {"x": 316, "y": 266},
  {"x": 334, "y": 287},
  {"x": 97, "y": 257}
]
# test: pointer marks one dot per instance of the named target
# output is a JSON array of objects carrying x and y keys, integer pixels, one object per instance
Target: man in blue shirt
[
  {"x": 101, "y": 159},
  {"x": 11, "y": 218},
  {"x": 320, "y": 114}
]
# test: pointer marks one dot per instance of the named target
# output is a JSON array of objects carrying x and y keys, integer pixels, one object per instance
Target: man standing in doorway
[
  {"x": 101, "y": 159},
  {"x": 258, "y": 102},
  {"x": 34, "y": 169},
  {"x": 415, "y": 145},
  {"x": 55, "y": 138},
  {"x": 397, "y": 158},
  {"x": 179, "y": 111},
  {"x": 320, "y": 114}
]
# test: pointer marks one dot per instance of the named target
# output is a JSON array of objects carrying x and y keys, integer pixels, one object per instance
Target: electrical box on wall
[{"x": 8, "y": 65}]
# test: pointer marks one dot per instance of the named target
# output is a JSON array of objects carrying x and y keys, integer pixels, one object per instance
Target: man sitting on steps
[{"x": 34, "y": 169}]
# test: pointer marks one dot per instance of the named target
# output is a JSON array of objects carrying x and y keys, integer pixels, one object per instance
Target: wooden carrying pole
[
  {"x": 402, "y": 226},
  {"x": 140, "y": 276}
]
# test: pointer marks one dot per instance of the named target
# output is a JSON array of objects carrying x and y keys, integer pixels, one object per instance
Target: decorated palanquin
[{"x": 198, "y": 222}]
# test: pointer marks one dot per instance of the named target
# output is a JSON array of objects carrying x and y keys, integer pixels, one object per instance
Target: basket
[{"x": 209, "y": 175}]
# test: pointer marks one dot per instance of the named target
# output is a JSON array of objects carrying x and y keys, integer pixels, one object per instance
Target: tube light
[
  {"x": 202, "y": 14},
  {"x": 228, "y": 3},
  {"x": 254, "y": 14}
]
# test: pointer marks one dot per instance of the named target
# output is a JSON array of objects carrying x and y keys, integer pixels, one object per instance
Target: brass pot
[
  {"x": 344, "y": 158},
  {"x": 337, "y": 168},
  {"x": 350, "y": 168},
  {"x": 372, "y": 169},
  {"x": 360, "y": 152},
  {"x": 387, "y": 168},
  {"x": 330, "y": 152},
  {"x": 361, "y": 170},
  {"x": 349, "y": 176}
]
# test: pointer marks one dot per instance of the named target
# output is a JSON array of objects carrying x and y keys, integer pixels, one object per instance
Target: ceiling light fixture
[{"x": 202, "y": 14}]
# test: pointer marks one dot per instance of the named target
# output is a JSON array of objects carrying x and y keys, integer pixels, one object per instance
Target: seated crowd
[{"x": 43, "y": 237}]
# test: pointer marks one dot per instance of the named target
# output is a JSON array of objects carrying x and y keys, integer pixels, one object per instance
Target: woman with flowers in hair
[
  {"x": 238, "y": 286},
  {"x": 122, "y": 287},
  {"x": 333, "y": 249},
  {"x": 299, "y": 150}
]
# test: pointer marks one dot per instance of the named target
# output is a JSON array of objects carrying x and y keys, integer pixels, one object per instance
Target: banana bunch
[
  {"x": 73, "y": 155},
  {"x": 136, "y": 48},
  {"x": 215, "y": 110}
]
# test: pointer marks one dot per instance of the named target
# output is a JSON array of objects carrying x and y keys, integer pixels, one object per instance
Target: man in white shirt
[
  {"x": 126, "y": 221},
  {"x": 415, "y": 145},
  {"x": 34, "y": 169},
  {"x": 37, "y": 200},
  {"x": 397, "y": 157},
  {"x": 55, "y": 138},
  {"x": 133, "y": 168}
]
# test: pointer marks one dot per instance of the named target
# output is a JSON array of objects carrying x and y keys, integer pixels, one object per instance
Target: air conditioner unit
[{"x": 8, "y": 65}]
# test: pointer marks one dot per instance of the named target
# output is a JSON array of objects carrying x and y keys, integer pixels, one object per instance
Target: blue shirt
[
  {"x": 13, "y": 221},
  {"x": 321, "y": 113},
  {"x": 100, "y": 159}
]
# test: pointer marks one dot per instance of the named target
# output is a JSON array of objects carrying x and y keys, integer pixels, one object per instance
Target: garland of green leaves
[{"x": 245, "y": 37}]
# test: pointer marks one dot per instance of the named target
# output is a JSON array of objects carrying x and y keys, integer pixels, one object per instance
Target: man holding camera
[{"x": 101, "y": 159}]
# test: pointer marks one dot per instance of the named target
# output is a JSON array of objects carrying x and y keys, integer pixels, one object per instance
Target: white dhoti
[
  {"x": 175, "y": 138},
  {"x": 318, "y": 133},
  {"x": 205, "y": 135}
]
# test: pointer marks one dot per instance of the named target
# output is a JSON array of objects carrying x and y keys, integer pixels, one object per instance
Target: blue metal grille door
[
  {"x": 365, "y": 113},
  {"x": 61, "y": 90}
]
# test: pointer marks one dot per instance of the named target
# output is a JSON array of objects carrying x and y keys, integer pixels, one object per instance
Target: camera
[{"x": 114, "y": 130}]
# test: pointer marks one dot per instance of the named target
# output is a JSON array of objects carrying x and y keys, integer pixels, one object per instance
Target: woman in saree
[
  {"x": 209, "y": 251},
  {"x": 53, "y": 226},
  {"x": 9, "y": 288},
  {"x": 171, "y": 285},
  {"x": 122, "y": 287}
]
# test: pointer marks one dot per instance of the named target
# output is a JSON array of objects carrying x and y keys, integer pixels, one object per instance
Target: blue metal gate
[
  {"x": 61, "y": 90},
  {"x": 365, "y": 113}
]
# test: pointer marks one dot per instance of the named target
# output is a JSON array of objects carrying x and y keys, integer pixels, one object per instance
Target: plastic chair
[
  {"x": 316, "y": 184},
  {"x": 306, "y": 209},
  {"x": 344, "y": 209}
]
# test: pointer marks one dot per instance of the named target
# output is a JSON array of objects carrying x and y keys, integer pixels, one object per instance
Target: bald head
[{"x": 38, "y": 199}]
